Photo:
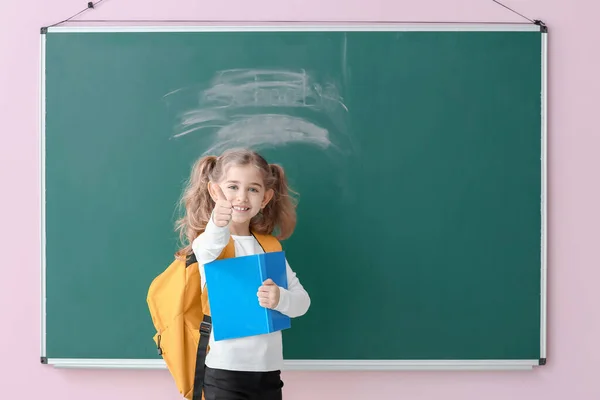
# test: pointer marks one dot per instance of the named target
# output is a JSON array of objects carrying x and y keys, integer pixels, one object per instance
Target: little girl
[{"x": 232, "y": 196}]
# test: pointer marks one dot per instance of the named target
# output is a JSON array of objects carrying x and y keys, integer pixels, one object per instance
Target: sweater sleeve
[
  {"x": 209, "y": 245},
  {"x": 293, "y": 301}
]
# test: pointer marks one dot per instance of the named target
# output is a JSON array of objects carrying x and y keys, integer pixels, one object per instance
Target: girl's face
[{"x": 244, "y": 188}]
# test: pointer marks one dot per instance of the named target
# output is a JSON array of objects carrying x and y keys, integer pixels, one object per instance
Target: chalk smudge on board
[
  {"x": 246, "y": 108},
  {"x": 271, "y": 129}
]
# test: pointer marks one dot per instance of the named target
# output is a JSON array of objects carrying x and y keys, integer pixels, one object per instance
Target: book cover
[{"x": 232, "y": 285}]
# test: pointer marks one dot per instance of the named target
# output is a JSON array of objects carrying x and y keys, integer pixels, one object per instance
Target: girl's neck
[{"x": 239, "y": 229}]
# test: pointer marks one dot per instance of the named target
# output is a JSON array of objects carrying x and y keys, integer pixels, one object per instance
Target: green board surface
[{"x": 418, "y": 157}]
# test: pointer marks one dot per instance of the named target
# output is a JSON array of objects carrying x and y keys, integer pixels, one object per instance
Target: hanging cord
[
  {"x": 92, "y": 5},
  {"x": 533, "y": 21},
  {"x": 508, "y": 8}
]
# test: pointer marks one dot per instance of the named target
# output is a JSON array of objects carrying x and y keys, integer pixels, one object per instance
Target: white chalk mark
[
  {"x": 265, "y": 88},
  {"x": 237, "y": 102},
  {"x": 199, "y": 116},
  {"x": 268, "y": 130},
  {"x": 331, "y": 94},
  {"x": 172, "y": 92},
  {"x": 304, "y": 88},
  {"x": 256, "y": 92},
  {"x": 197, "y": 128}
]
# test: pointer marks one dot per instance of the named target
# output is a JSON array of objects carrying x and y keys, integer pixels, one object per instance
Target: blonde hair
[{"x": 278, "y": 215}]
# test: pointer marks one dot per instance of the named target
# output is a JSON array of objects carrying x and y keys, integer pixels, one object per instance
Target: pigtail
[
  {"x": 280, "y": 213},
  {"x": 196, "y": 204}
]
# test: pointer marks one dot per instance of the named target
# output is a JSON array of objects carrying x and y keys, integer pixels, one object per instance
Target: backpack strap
[
  {"x": 205, "y": 328},
  {"x": 268, "y": 243},
  {"x": 191, "y": 259}
]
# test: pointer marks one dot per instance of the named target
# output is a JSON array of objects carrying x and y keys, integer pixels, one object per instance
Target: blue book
[{"x": 232, "y": 284}]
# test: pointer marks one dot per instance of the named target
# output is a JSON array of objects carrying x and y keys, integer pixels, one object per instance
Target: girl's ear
[
  {"x": 212, "y": 191},
  {"x": 268, "y": 196}
]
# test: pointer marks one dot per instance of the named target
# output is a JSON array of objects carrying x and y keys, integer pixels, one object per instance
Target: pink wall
[{"x": 574, "y": 196}]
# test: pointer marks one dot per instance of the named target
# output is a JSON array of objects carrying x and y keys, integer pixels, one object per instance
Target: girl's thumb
[{"x": 218, "y": 192}]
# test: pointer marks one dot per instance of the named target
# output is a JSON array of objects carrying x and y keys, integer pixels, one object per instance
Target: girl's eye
[
  {"x": 254, "y": 190},
  {"x": 232, "y": 187}
]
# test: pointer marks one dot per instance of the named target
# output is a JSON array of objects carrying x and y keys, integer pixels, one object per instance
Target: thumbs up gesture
[{"x": 223, "y": 208}]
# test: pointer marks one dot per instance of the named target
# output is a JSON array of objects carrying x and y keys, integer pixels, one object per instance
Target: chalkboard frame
[{"x": 309, "y": 364}]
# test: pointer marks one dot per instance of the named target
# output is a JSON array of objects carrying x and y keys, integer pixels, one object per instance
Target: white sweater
[{"x": 253, "y": 353}]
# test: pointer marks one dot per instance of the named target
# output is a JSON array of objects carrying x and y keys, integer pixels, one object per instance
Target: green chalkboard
[{"x": 418, "y": 156}]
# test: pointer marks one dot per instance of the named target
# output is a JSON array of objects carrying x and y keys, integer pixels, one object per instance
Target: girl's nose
[{"x": 242, "y": 195}]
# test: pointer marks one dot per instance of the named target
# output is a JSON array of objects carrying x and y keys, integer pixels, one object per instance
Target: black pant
[{"x": 220, "y": 384}]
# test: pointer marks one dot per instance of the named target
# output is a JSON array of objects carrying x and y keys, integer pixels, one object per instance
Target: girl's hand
[
  {"x": 268, "y": 294},
  {"x": 223, "y": 208}
]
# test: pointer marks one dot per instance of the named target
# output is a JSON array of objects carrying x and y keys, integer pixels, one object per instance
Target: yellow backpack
[{"x": 181, "y": 315}]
